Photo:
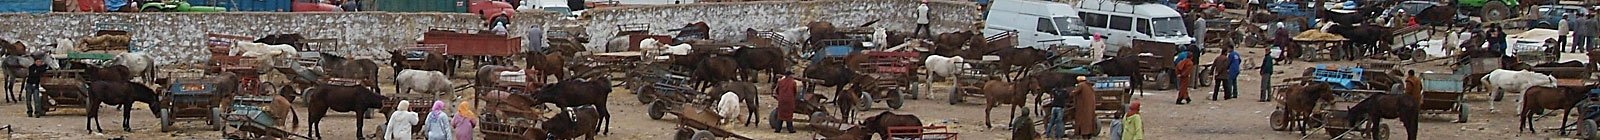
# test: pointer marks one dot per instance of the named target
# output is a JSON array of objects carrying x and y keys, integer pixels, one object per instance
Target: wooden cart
[
  {"x": 191, "y": 98},
  {"x": 486, "y": 49},
  {"x": 252, "y": 120},
  {"x": 669, "y": 90},
  {"x": 62, "y": 89},
  {"x": 969, "y": 81},
  {"x": 1443, "y": 93},
  {"x": 890, "y": 75},
  {"x": 1114, "y": 94},
  {"x": 923, "y": 132},
  {"x": 700, "y": 122}
]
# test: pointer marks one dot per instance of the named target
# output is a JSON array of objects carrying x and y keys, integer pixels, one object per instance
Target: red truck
[{"x": 495, "y": 11}]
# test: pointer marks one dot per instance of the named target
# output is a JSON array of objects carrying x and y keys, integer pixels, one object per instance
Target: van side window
[
  {"x": 1144, "y": 26},
  {"x": 1046, "y": 26},
  {"x": 1121, "y": 23},
  {"x": 1093, "y": 20}
]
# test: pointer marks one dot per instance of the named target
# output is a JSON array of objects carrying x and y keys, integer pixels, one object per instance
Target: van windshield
[
  {"x": 1070, "y": 26},
  {"x": 1168, "y": 27}
]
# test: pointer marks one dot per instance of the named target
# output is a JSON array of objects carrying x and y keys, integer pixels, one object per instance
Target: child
[{"x": 1132, "y": 125}]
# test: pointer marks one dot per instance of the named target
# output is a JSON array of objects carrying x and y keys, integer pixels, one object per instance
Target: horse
[
  {"x": 139, "y": 64},
  {"x": 1022, "y": 57},
  {"x": 1128, "y": 66},
  {"x": 1501, "y": 80},
  {"x": 403, "y": 59},
  {"x": 1300, "y": 101},
  {"x": 1386, "y": 106},
  {"x": 715, "y": 69},
  {"x": 769, "y": 59},
  {"x": 577, "y": 92},
  {"x": 361, "y": 69},
  {"x": 999, "y": 92},
  {"x": 880, "y": 123},
  {"x": 15, "y": 68},
  {"x": 11, "y": 48},
  {"x": 950, "y": 44},
  {"x": 122, "y": 94},
  {"x": 747, "y": 95},
  {"x": 484, "y": 79},
  {"x": 1437, "y": 15},
  {"x": 548, "y": 64},
  {"x": 342, "y": 97},
  {"x": 821, "y": 30},
  {"x": 1364, "y": 38},
  {"x": 692, "y": 31},
  {"x": 432, "y": 82},
  {"x": 284, "y": 39},
  {"x": 573, "y": 122},
  {"x": 1537, "y": 99}
]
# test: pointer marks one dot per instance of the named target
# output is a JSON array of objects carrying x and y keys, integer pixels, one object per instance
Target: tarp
[
  {"x": 114, "y": 5},
  {"x": 28, "y": 6}
]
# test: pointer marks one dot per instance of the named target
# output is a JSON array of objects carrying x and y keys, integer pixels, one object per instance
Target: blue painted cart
[
  {"x": 191, "y": 98},
  {"x": 1443, "y": 93}
]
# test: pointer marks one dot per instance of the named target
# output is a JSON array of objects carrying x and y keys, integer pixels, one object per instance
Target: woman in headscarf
[
  {"x": 400, "y": 123},
  {"x": 438, "y": 125},
  {"x": 465, "y": 121}
]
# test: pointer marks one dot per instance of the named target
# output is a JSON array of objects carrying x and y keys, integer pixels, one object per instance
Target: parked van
[
  {"x": 1038, "y": 24},
  {"x": 1121, "y": 22}
]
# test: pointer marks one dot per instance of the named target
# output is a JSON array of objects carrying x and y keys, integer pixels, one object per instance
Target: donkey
[
  {"x": 122, "y": 94},
  {"x": 1386, "y": 106}
]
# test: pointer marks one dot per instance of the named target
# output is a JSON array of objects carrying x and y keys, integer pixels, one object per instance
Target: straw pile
[{"x": 1317, "y": 35}]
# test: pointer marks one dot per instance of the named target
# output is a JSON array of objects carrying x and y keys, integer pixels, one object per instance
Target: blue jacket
[
  {"x": 1180, "y": 57},
  {"x": 1233, "y": 66}
]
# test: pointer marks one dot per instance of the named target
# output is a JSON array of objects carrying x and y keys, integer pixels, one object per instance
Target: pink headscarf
[
  {"x": 1096, "y": 36},
  {"x": 438, "y": 105}
]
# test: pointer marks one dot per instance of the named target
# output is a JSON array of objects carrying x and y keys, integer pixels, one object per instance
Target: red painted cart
[{"x": 486, "y": 48}]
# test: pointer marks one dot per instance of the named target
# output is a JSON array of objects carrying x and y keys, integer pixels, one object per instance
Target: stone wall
[
  {"x": 178, "y": 37},
  {"x": 728, "y": 20}
]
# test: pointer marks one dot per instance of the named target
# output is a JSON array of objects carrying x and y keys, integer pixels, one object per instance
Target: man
[
  {"x": 1185, "y": 79},
  {"x": 1266, "y": 75},
  {"x": 1561, "y": 35},
  {"x": 1413, "y": 85},
  {"x": 1056, "y": 128},
  {"x": 1083, "y": 95},
  {"x": 922, "y": 21},
  {"x": 1219, "y": 74},
  {"x": 1496, "y": 39},
  {"x": 535, "y": 39},
  {"x": 31, "y": 85},
  {"x": 1200, "y": 32},
  {"x": 1233, "y": 72},
  {"x": 1097, "y": 49},
  {"x": 785, "y": 93},
  {"x": 1582, "y": 30}
]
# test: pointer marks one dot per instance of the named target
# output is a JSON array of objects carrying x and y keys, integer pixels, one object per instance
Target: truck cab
[
  {"x": 313, "y": 6},
  {"x": 1122, "y": 22},
  {"x": 497, "y": 12},
  {"x": 1037, "y": 24}
]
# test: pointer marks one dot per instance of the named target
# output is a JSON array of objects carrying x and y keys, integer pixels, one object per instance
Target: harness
[
  {"x": 343, "y": 82},
  {"x": 572, "y": 115}
]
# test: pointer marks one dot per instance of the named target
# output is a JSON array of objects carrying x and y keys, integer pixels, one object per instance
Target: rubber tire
[
  {"x": 703, "y": 135},
  {"x": 657, "y": 110},
  {"x": 1489, "y": 10},
  {"x": 914, "y": 90},
  {"x": 1383, "y": 132},
  {"x": 897, "y": 100},
  {"x": 1463, "y": 113},
  {"x": 500, "y": 19},
  {"x": 643, "y": 99},
  {"x": 166, "y": 120},
  {"x": 1587, "y": 130},
  {"x": 219, "y": 124},
  {"x": 1279, "y": 120},
  {"x": 864, "y": 103},
  {"x": 772, "y": 119},
  {"x": 1166, "y": 83},
  {"x": 955, "y": 93}
]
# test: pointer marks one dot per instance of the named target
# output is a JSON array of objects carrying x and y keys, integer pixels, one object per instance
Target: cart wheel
[
  {"x": 1587, "y": 129},
  {"x": 643, "y": 97},
  {"x": 772, "y": 119},
  {"x": 1494, "y": 11},
  {"x": 1279, "y": 120},
  {"x": 218, "y": 123},
  {"x": 1464, "y": 110},
  {"x": 1166, "y": 83},
  {"x": 657, "y": 109},
  {"x": 913, "y": 91},
  {"x": 703, "y": 135},
  {"x": 1383, "y": 132},
  {"x": 897, "y": 100},
  {"x": 166, "y": 120},
  {"x": 683, "y": 133},
  {"x": 865, "y": 102},
  {"x": 955, "y": 93}
]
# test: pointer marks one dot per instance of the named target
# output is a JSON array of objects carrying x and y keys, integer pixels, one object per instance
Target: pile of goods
[
  {"x": 1318, "y": 35},
  {"x": 105, "y": 42}
]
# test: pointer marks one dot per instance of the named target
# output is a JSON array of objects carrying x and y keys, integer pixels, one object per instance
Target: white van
[
  {"x": 1121, "y": 22},
  {"x": 1038, "y": 24}
]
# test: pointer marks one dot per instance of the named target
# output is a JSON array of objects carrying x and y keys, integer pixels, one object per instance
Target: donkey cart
[
  {"x": 668, "y": 92},
  {"x": 192, "y": 98},
  {"x": 700, "y": 123},
  {"x": 1443, "y": 94},
  {"x": 253, "y": 120},
  {"x": 1113, "y": 93},
  {"x": 62, "y": 89},
  {"x": 890, "y": 78}
]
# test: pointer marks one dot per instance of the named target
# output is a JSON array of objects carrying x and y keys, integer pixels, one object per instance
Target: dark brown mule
[
  {"x": 1129, "y": 66},
  {"x": 122, "y": 94},
  {"x": 361, "y": 69},
  {"x": 577, "y": 92},
  {"x": 715, "y": 69},
  {"x": 341, "y": 98},
  {"x": 1300, "y": 101},
  {"x": 549, "y": 64},
  {"x": 768, "y": 59},
  {"x": 1386, "y": 106},
  {"x": 1021, "y": 58},
  {"x": 399, "y": 60},
  {"x": 998, "y": 92},
  {"x": 747, "y": 94},
  {"x": 880, "y": 123},
  {"x": 573, "y": 122},
  {"x": 1539, "y": 98}
]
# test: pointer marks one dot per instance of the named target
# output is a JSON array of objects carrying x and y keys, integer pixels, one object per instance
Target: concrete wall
[
  {"x": 728, "y": 20},
  {"x": 178, "y": 37}
]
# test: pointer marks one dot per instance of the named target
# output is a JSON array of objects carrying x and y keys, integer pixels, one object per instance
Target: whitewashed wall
[{"x": 728, "y": 20}]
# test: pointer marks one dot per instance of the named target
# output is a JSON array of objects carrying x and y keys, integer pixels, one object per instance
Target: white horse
[
  {"x": 431, "y": 82},
  {"x": 139, "y": 63},
  {"x": 1501, "y": 81}
]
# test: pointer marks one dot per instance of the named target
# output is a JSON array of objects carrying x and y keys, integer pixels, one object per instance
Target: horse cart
[
  {"x": 1323, "y": 46},
  {"x": 1113, "y": 94},
  {"x": 252, "y": 119},
  {"x": 191, "y": 98},
  {"x": 668, "y": 91},
  {"x": 1443, "y": 94},
  {"x": 62, "y": 89},
  {"x": 969, "y": 81},
  {"x": 701, "y": 123},
  {"x": 487, "y": 48},
  {"x": 889, "y": 76}
]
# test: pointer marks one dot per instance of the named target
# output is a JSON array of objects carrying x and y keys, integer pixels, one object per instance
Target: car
[
  {"x": 1412, "y": 8},
  {"x": 1550, "y": 15}
]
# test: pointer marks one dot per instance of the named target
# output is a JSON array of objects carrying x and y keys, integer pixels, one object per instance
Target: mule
[
  {"x": 880, "y": 123},
  {"x": 403, "y": 59},
  {"x": 429, "y": 82},
  {"x": 548, "y": 64},
  {"x": 753, "y": 59},
  {"x": 1537, "y": 99},
  {"x": 998, "y": 92},
  {"x": 715, "y": 69},
  {"x": 747, "y": 94},
  {"x": 1022, "y": 58},
  {"x": 361, "y": 69},
  {"x": 1300, "y": 102},
  {"x": 577, "y": 92},
  {"x": 573, "y": 122},
  {"x": 341, "y": 97},
  {"x": 1129, "y": 66},
  {"x": 15, "y": 69},
  {"x": 122, "y": 94},
  {"x": 484, "y": 79},
  {"x": 1386, "y": 106},
  {"x": 139, "y": 64}
]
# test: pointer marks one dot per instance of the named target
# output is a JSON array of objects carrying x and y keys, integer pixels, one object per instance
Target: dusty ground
[{"x": 1242, "y": 118}]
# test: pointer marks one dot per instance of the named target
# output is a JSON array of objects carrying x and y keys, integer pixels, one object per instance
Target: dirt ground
[{"x": 1241, "y": 118}]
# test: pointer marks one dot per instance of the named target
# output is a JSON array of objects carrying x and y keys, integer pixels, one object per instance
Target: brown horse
[
  {"x": 769, "y": 59},
  {"x": 950, "y": 44},
  {"x": 361, "y": 69},
  {"x": 573, "y": 122},
  {"x": 1386, "y": 106},
  {"x": 1021, "y": 58},
  {"x": 747, "y": 94},
  {"x": 715, "y": 69},
  {"x": 13, "y": 48},
  {"x": 550, "y": 64},
  {"x": 122, "y": 94},
  {"x": 1539, "y": 98},
  {"x": 880, "y": 123},
  {"x": 484, "y": 79},
  {"x": 999, "y": 92},
  {"x": 341, "y": 98},
  {"x": 821, "y": 30},
  {"x": 1301, "y": 100},
  {"x": 400, "y": 60},
  {"x": 577, "y": 92}
]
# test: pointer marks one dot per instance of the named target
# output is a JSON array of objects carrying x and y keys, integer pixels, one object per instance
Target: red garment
[
  {"x": 786, "y": 98},
  {"x": 1185, "y": 77},
  {"x": 1411, "y": 21}
]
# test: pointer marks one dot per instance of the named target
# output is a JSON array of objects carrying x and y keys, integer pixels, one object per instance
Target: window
[
  {"x": 1093, "y": 20},
  {"x": 1144, "y": 26},
  {"x": 1121, "y": 23},
  {"x": 1046, "y": 26}
]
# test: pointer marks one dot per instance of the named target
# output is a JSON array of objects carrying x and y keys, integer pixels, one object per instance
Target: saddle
[{"x": 344, "y": 82}]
